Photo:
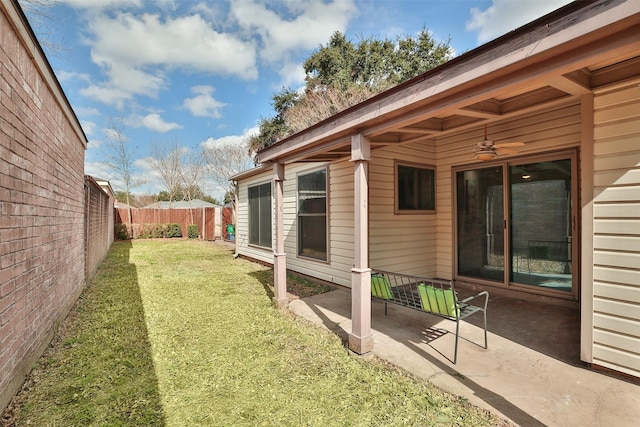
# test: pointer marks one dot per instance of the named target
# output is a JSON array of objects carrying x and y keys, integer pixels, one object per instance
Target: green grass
[{"x": 178, "y": 333}]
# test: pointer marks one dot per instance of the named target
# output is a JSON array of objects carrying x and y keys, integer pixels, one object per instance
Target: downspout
[{"x": 234, "y": 213}]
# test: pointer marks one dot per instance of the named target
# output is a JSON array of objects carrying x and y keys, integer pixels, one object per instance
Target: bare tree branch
[
  {"x": 166, "y": 160},
  {"x": 225, "y": 160},
  {"x": 121, "y": 156},
  {"x": 41, "y": 20}
]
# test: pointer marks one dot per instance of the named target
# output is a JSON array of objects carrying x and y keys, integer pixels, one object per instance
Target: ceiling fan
[{"x": 488, "y": 150}]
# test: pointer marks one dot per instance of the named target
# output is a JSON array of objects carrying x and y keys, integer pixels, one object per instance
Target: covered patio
[
  {"x": 531, "y": 373},
  {"x": 333, "y": 195}
]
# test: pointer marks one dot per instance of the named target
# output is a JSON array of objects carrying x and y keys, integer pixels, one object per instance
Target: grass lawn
[{"x": 178, "y": 333}]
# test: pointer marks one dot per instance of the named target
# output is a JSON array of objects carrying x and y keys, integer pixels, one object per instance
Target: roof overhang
[
  {"x": 551, "y": 61},
  {"x": 249, "y": 173}
]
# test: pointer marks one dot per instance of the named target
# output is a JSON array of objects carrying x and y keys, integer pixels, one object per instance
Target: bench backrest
[
  {"x": 438, "y": 300},
  {"x": 431, "y": 295}
]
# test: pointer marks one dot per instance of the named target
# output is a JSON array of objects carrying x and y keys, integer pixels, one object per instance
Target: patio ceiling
[{"x": 549, "y": 62}]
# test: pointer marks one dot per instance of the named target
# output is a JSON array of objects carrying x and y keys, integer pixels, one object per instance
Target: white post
[
  {"x": 360, "y": 338},
  {"x": 280, "y": 298}
]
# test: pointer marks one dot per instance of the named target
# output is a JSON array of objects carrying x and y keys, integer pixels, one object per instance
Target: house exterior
[
  {"x": 42, "y": 201},
  {"x": 400, "y": 183}
]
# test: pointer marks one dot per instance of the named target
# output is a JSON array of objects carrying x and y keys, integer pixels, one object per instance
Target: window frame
[
  {"x": 249, "y": 213},
  {"x": 326, "y": 215},
  {"x": 396, "y": 188}
]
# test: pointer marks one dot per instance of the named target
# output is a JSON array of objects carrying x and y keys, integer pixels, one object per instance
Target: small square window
[{"x": 415, "y": 188}]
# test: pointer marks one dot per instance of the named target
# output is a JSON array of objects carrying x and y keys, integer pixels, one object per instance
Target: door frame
[{"x": 506, "y": 283}]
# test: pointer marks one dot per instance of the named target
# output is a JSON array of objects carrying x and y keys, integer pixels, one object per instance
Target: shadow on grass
[
  {"x": 99, "y": 368},
  {"x": 297, "y": 285},
  {"x": 265, "y": 277}
]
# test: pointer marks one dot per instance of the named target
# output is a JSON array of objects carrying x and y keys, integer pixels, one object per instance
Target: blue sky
[{"x": 204, "y": 72}]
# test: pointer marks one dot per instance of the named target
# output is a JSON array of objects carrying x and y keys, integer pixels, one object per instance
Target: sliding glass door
[
  {"x": 515, "y": 223},
  {"x": 481, "y": 241}
]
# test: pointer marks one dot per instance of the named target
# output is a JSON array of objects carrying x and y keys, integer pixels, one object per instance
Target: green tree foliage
[
  {"x": 341, "y": 74},
  {"x": 275, "y": 128}
]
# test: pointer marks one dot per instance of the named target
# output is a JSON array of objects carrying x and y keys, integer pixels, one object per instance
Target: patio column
[
  {"x": 360, "y": 338},
  {"x": 280, "y": 298}
]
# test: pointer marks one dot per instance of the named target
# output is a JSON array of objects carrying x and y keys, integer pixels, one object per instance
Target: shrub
[
  {"x": 122, "y": 232},
  {"x": 192, "y": 231},
  {"x": 173, "y": 230},
  {"x": 149, "y": 231}
]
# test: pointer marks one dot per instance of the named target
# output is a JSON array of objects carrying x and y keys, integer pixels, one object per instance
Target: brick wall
[
  {"x": 41, "y": 202},
  {"x": 99, "y": 221}
]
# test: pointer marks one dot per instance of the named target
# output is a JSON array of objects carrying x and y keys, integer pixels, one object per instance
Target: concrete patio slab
[{"x": 531, "y": 374}]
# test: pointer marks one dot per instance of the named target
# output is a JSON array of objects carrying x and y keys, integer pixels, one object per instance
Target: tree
[
  {"x": 372, "y": 63},
  {"x": 166, "y": 161},
  {"x": 42, "y": 22},
  {"x": 342, "y": 74},
  {"x": 192, "y": 173},
  {"x": 274, "y": 128},
  {"x": 224, "y": 160},
  {"x": 120, "y": 158}
]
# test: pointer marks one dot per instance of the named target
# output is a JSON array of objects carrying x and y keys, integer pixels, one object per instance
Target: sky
[{"x": 204, "y": 72}]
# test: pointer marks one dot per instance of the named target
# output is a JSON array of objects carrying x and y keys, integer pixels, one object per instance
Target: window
[
  {"x": 415, "y": 188},
  {"x": 312, "y": 215},
  {"x": 260, "y": 218}
]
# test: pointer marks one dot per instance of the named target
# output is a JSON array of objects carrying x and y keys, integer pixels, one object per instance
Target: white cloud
[
  {"x": 88, "y": 127},
  {"x": 231, "y": 139},
  {"x": 64, "y": 76},
  {"x": 106, "y": 94},
  {"x": 94, "y": 143},
  {"x": 188, "y": 41},
  {"x": 99, "y": 170},
  {"x": 291, "y": 73},
  {"x": 101, "y": 4},
  {"x": 136, "y": 52},
  {"x": 152, "y": 121},
  {"x": 506, "y": 15},
  {"x": 311, "y": 23},
  {"x": 86, "y": 111},
  {"x": 210, "y": 10},
  {"x": 204, "y": 104}
]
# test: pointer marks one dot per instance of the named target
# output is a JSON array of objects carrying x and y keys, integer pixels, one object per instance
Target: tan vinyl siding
[
  {"x": 340, "y": 215},
  {"x": 399, "y": 242},
  {"x": 338, "y": 269},
  {"x": 616, "y": 252},
  {"x": 548, "y": 130}
]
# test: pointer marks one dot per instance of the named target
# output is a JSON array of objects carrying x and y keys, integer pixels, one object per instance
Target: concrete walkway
[{"x": 530, "y": 374}]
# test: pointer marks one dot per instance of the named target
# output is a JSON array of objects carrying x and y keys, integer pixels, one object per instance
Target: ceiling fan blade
[
  {"x": 506, "y": 151},
  {"x": 510, "y": 144}
]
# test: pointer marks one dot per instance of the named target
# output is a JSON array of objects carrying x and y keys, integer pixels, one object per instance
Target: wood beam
[
  {"x": 415, "y": 129},
  {"x": 280, "y": 298},
  {"x": 360, "y": 338},
  {"x": 573, "y": 84}
]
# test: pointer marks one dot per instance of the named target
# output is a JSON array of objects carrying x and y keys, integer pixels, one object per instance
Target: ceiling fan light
[
  {"x": 526, "y": 176},
  {"x": 486, "y": 155}
]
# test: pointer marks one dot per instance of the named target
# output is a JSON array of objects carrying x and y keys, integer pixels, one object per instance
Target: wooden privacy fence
[{"x": 208, "y": 219}]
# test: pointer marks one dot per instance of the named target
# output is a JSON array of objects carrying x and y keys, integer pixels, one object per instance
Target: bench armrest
[{"x": 483, "y": 293}]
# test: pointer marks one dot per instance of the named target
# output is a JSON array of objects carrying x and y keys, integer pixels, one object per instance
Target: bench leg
[
  {"x": 455, "y": 353},
  {"x": 385, "y": 308},
  {"x": 485, "y": 329}
]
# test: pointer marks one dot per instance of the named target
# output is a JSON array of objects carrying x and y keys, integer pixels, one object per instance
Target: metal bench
[{"x": 433, "y": 296}]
